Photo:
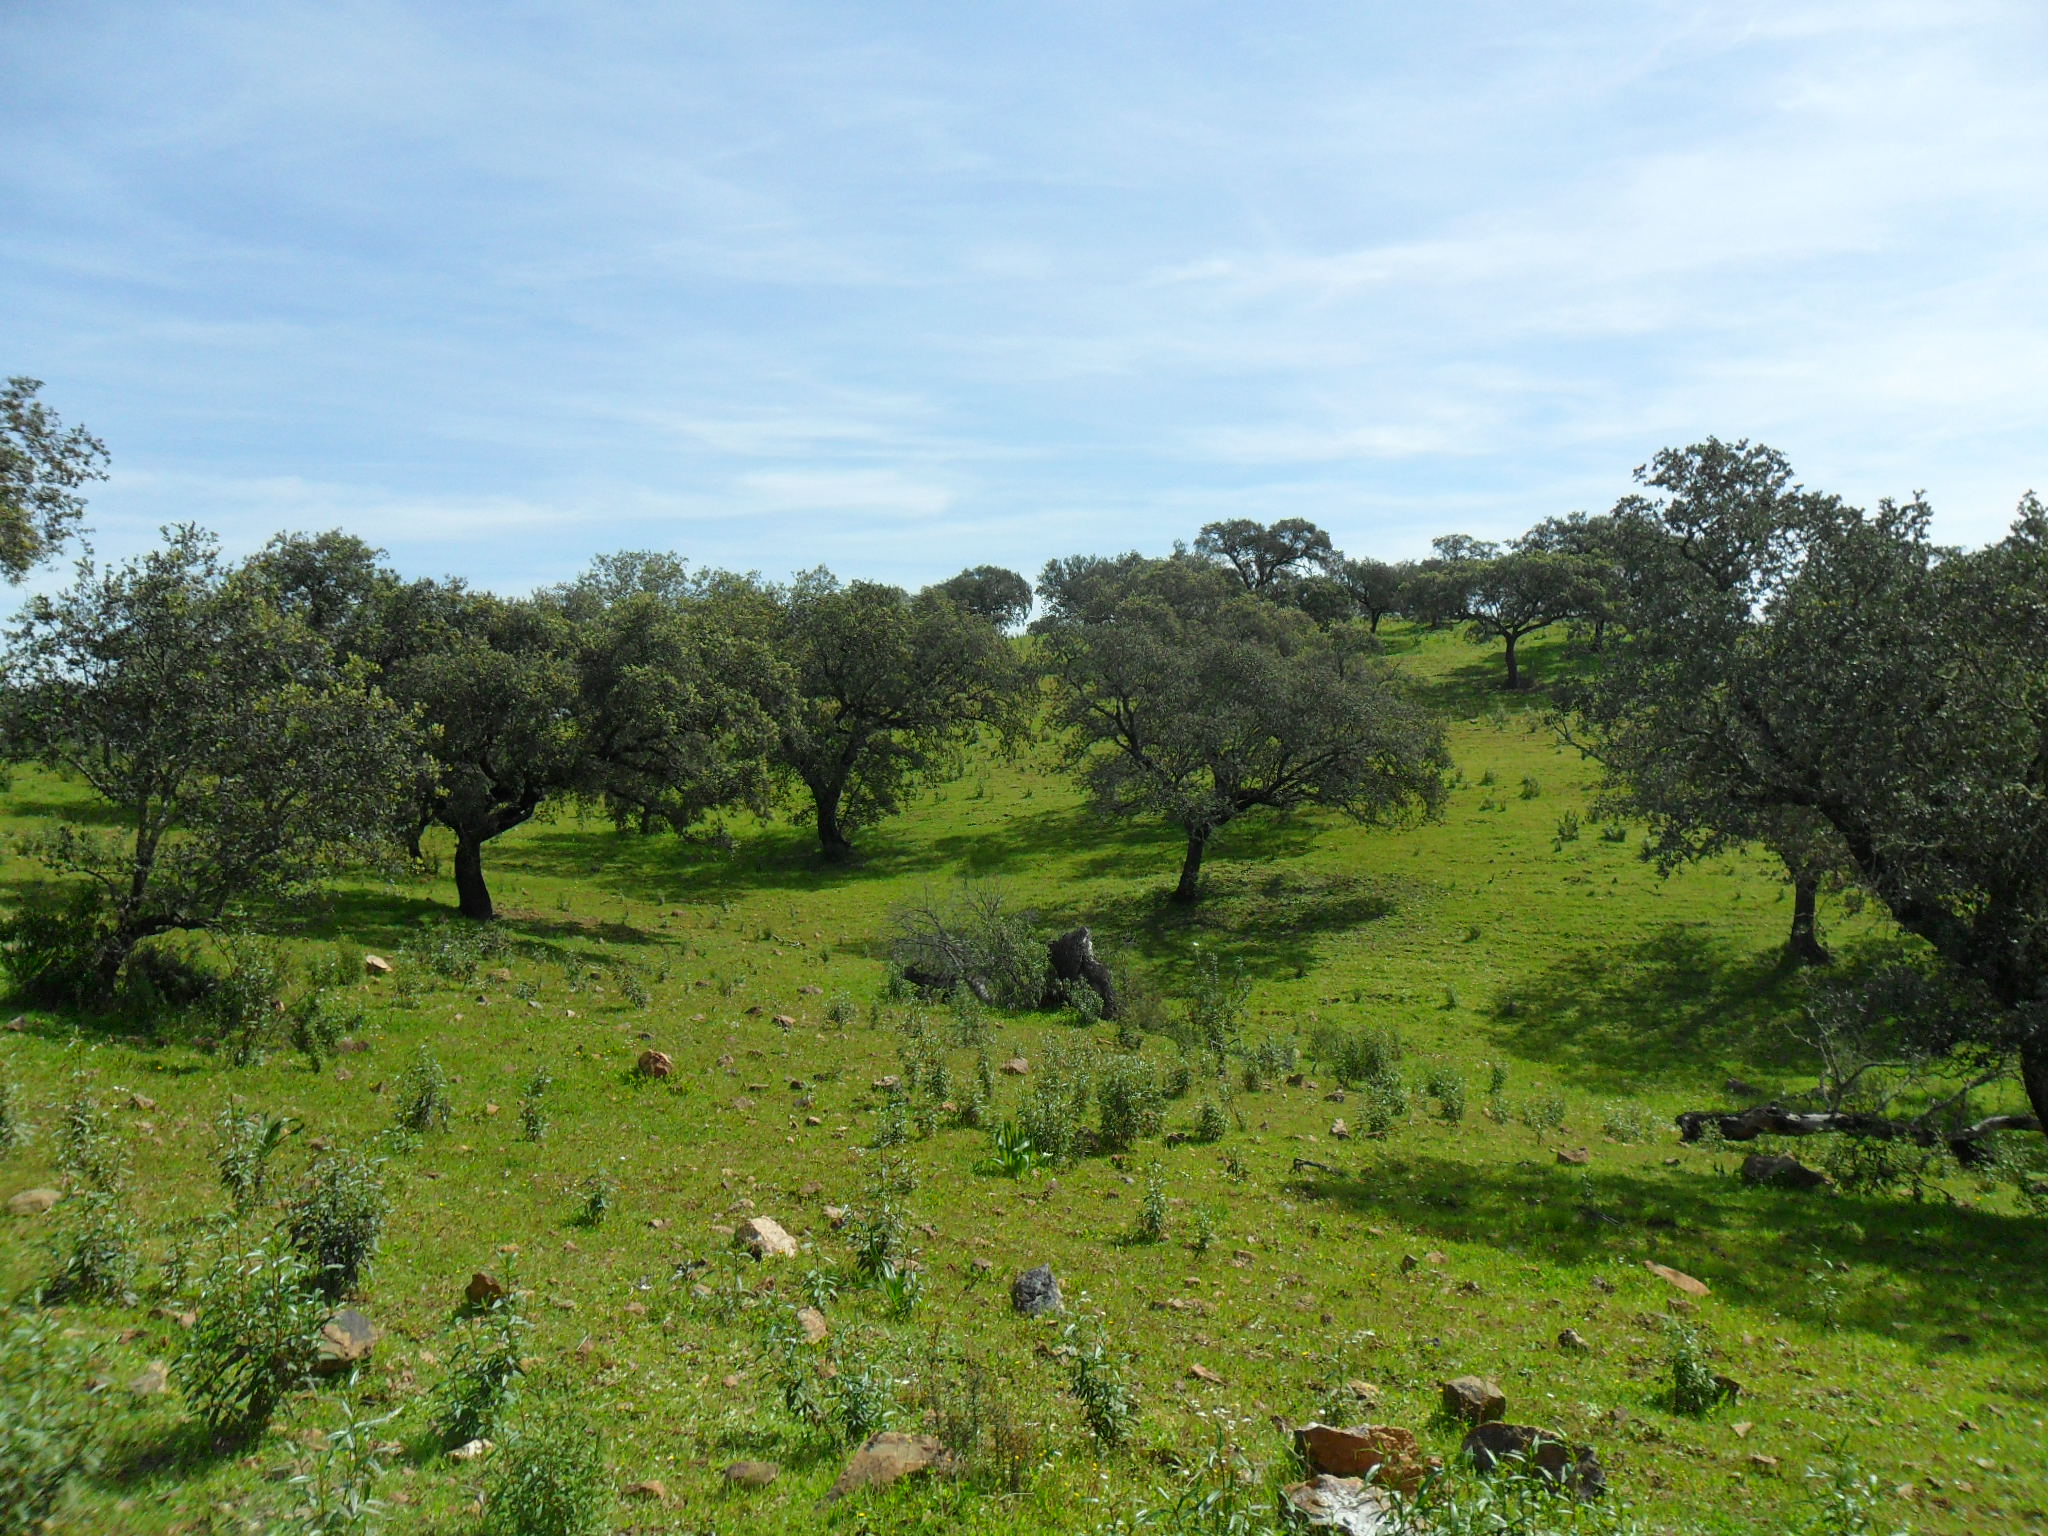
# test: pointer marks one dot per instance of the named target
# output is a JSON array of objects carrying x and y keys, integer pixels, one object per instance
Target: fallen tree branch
[{"x": 1774, "y": 1120}]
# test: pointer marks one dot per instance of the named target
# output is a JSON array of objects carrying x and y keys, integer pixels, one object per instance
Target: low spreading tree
[
  {"x": 1000, "y": 596},
  {"x": 238, "y": 756},
  {"x": 1188, "y": 698},
  {"x": 881, "y": 691},
  {"x": 43, "y": 464},
  {"x": 1816, "y": 661},
  {"x": 1263, "y": 555}
]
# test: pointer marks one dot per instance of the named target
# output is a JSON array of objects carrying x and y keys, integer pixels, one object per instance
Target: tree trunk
[
  {"x": 831, "y": 841},
  {"x": 1374, "y": 627},
  {"x": 1191, "y": 870},
  {"x": 414, "y": 833},
  {"x": 1804, "y": 946},
  {"x": 472, "y": 896},
  {"x": 1514, "y": 671},
  {"x": 2034, "y": 1074}
]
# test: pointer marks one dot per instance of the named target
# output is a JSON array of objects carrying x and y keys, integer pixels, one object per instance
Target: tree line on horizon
[{"x": 1763, "y": 665}]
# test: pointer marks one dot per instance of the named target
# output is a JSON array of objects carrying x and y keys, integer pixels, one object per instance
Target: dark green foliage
[
  {"x": 336, "y": 1220},
  {"x": 533, "y": 1113},
  {"x": 1129, "y": 1101},
  {"x": 1695, "y": 1388},
  {"x": 320, "y": 1022},
  {"x": 1100, "y": 1382},
  {"x": 242, "y": 1003},
  {"x": 255, "y": 1338},
  {"x": 973, "y": 943},
  {"x": 481, "y": 1386},
  {"x": 97, "y": 1260},
  {"x": 420, "y": 1100},
  {"x": 245, "y": 1143},
  {"x": 1211, "y": 1124},
  {"x": 42, "y": 466}
]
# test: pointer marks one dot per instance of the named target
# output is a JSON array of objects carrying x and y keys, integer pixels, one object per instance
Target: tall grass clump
[{"x": 549, "y": 1478}]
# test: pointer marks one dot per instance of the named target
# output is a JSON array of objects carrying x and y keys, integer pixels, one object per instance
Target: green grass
[{"x": 1869, "y": 1328}]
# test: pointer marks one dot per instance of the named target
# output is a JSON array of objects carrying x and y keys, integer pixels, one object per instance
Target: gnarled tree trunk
[
  {"x": 1191, "y": 869},
  {"x": 472, "y": 896},
  {"x": 1804, "y": 946}
]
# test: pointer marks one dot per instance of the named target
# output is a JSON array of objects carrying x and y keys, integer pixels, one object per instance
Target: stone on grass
[
  {"x": 1473, "y": 1400},
  {"x": 1573, "y": 1467},
  {"x": 1346, "y": 1504},
  {"x": 1387, "y": 1453},
  {"x": 33, "y": 1202},
  {"x": 154, "y": 1378},
  {"x": 1035, "y": 1291},
  {"x": 346, "y": 1339},
  {"x": 471, "y": 1450},
  {"x": 752, "y": 1474},
  {"x": 1016, "y": 1066},
  {"x": 763, "y": 1237},
  {"x": 1202, "y": 1373},
  {"x": 483, "y": 1289},
  {"x": 813, "y": 1323},
  {"x": 887, "y": 1458},
  {"x": 1781, "y": 1172},
  {"x": 376, "y": 965},
  {"x": 649, "y": 1488},
  {"x": 1677, "y": 1278},
  {"x": 1572, "y": 1342},
  {"x": 654, "y": 1064},
  {"x": 1574, "y": 1157}
]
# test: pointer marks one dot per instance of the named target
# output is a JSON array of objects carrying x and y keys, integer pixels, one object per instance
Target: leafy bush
[
  {"x": 1130, "y": 1105},
  {"x": 1626, "y": 1121},
  {"x": 335, "y": 1495},
  {"x": 89, "y": 1149},
  {"x": 1881, "y": 1165},
  {"x": 1545, "y": 1111},
  {"x": 1011, "y": 1154},
  {"x": 60, "y": 949},
  {"x": 320, "y": 1022},
  {"x": 422, "y": 1102},
  {"x": 242, "y": 1003},
  {"x": 1100, "y": 1382},
  {"x": 549, "y": 1478},
  {"x": 1447, "y": 1088},
  {"x": 1055, "y": 1110},
  {"x": 1695, "y": 1389},
  {"x": 1214, "y": 1007},
  {"x": 1211, "y": 1124},
  {"x": 533, "y": 1112},
  {"x": 862, "y": 1393},
  {"x": 96, "y": 1251},
  {"x": 484, "y": 1370},
  {"x": 337, "y": 1220},
  {"x": 245, "y": 1143},
  {"x": 598, "y": 1192},
  {"x": 1357, "y": 1056},
  {"x": 15, "y": 1130},
  {"x": 1153, "y": 1213},
  {"x": 49, "y": 1420},
  {"x": 880, "y": 1239},
  {"x": 458, "y": 951},
  {"x": 255, "y": 1338}
]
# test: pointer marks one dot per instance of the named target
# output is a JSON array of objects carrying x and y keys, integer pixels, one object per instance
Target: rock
[
  {"x": 1767, "y": 1465},
  {"x": 501, "y": 974},
  {"x": 1035, "y": 1291},
  {"x": 346, "y": 1339},
  {"x": 785, "y": 1021},
  {"x": 1410, "y": 1263},
  {"x": 1473, "y": 1400},
  {"x": 763, "y": 1237},
  {"x": 376, "y": 965},
  {"x": 650, "y": 1488},
  {"x": 1572, "y": 1342},
  {"x": 654, "y": 1064},
  {"x": 752, "y": 1474},
  {"x": 141, "y": 1101},
  {"x": 1574, "y": 1467},
  {"x": 1346, "y": 1504},
  {"x": 1574, "y": 1157},
  {"x": 1364, "y": 1391},
  {"x": 1203, "y": 1373},
  {"x": 33, "y": 1202},
  {"x": 1339, "y": 1131},
  {"x": 836, "y": 1215},
  {"x": 1358, "y": 1451},
  {"x": 887, "y": 1084},
  {"x": 483, "y": 1289},
  {"x": 813, "y": 1323},
  {"x": 1016, "y": 1066},
  {"x": 1782, "y": 1172},
  {"x": 1678, "y": 1278},
  {"x": 471, "y": 1450},
  {"x": 155, "y": 1377},
  {"x": 888, "y": 1458}
]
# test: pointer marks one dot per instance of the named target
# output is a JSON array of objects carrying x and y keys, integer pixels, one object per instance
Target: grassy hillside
[{"x": 1907, "y": 1337}]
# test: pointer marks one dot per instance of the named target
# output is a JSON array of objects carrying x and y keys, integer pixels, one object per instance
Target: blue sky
[{"x": 899, "y": 288}]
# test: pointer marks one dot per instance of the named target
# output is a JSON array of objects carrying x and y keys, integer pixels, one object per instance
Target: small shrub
[
  {"x": 1055, "y": 1110},
  {"x": 1878, "y": 1165},
  {"x": 1545, "y": 1111},
  {"x": 1625, "y": 1121},
  {"x": 1568, "y": 828},
  {"x": 255, "y": 1338},
  {"x": 1011, "y": 1154},
  {"x": 1205, "y": 1220},
  {"x": 1695, "y": 1389},
  {"x": 96, "y": 1251},
  {"x": 598, "y": 1192},
  {"x": 1215, "y": 1004},
  {"x": 58, "y": 949},
  {"x": 1127, "y": 1096},
  {"x": 337, "y": 1220},
  {"x": 970, "y": 1409},
  {"x": 1383, "y": 1104},
  {"x": 1356, "y": 1056},
  {"x": 242, "y": 1004},
  {"x": 880, "y": 1239},
  {"x": 1211, "y": 1124},
  {"x": 1531, "y": 787},
  {"x": 1153, "y": 1213},
  {"x": 900, "y": 1293},
  {"x": 336, "y": 1495},
  {"x": 89, "y": 1149},
  {"x": 549, "y": 1478},
  {"x": 473, "y": 1401},
  {"x": 1178, "y": 1081},
  {"x": 1101, "y": 1383},
  {"x": 320, "y": 1022},
  {"x": 841, "y": 1011},
  {"x": 862, "y": 1395},
  {"x": 533, "y": 1109},
  {"x": 457, "y": 951},
  {"x": 1614, "y": 834},
  {"x": 892, "y": 1124},
  {"x": 244, "y": 1145},
  {"x": 975, "y": 934},
  {"x": 1447, "y": 1088},
  {"x": 49, "y": 1420},
  {"x": 422, "y": 1102}
]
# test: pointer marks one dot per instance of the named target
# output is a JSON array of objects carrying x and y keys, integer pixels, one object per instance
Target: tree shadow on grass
[
  {"x": 1681, "y": 1003},
  {"x": 175, "y": 1454},
  {"x": 1953, "y": 1276}
]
